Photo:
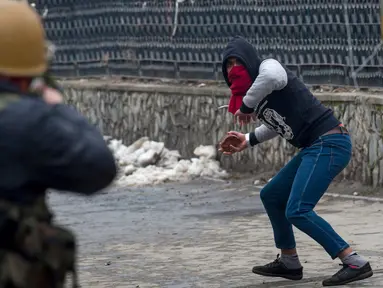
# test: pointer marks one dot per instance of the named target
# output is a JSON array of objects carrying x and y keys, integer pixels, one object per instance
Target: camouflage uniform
[
  {"x": 35, "y": 252},
  {"x": 43, "y": 146}
]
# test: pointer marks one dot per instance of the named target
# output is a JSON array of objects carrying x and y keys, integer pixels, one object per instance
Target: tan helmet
[{"x": 22, "y": 40}]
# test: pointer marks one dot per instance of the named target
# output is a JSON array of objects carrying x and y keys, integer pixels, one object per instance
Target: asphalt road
[{"x": 200, "y": 234}]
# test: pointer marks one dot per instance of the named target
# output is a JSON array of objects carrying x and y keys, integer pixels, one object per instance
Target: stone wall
[{"x": 184, "y": 117}]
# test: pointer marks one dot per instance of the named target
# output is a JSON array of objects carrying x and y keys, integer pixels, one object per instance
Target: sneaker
[
  {"x": 278, "y": 269},
  {"x": 349, "y": 274}
]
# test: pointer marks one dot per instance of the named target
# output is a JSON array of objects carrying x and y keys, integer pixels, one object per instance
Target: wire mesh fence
[{"x": 323, "y": 42}]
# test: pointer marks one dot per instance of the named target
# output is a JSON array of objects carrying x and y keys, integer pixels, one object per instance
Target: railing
[{"x": 332, "y": 42}]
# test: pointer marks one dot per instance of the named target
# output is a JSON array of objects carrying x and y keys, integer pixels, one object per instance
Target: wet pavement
[{"x": 203, "y": 234}]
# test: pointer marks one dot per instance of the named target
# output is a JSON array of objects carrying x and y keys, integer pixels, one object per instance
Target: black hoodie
[
  {"x": 293, "y": 112},
  {"x": 239, "y": 48}
]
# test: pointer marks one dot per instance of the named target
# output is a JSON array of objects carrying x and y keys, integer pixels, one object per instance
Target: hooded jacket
[
  {"x": 288, "y": 109},
  {"x": 245, "y": 52}
]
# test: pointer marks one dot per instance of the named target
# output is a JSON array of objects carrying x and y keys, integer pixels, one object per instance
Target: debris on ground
[{"x": 147, "y": 162}]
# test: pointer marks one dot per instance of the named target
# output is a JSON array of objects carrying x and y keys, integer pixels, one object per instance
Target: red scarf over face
[{"x": 240, "y": 82}]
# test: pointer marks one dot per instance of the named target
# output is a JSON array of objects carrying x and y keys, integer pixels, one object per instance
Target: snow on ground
[{"x": 148, "y": 162}]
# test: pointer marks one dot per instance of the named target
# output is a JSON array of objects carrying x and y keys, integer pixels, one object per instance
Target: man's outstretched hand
[{"x": 233, "y": 142}]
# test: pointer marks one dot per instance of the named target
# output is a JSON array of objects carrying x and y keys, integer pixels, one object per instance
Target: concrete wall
[{"x": 184, "y": 117}]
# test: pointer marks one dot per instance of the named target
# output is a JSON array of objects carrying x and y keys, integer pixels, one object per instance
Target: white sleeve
[
  {"x": 272, "y": 76},
  {"x": 262, "y": 133}
]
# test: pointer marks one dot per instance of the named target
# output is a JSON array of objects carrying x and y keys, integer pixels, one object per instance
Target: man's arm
[
  {"x": 68, "y": 153},
  {"x": 261, "y": 134},
  {"x": 272, "y": 76}
]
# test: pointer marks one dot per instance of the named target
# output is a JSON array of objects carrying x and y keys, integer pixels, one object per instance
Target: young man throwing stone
[{"x": 285, "y": 106}]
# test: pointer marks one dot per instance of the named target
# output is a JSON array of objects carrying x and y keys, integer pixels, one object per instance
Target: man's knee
[
  {"x": 295, "y": 215},
  {"x": 291, "y": 215},
  {"x": 265, "y": 194},
  {"x": 274, "y": 193}
]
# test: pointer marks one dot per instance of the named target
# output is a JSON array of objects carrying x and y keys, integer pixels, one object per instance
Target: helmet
[{"x": 22, "y": 40}]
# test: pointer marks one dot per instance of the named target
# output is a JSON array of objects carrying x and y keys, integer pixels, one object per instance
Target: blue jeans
[{"x": 290, "y": 197}]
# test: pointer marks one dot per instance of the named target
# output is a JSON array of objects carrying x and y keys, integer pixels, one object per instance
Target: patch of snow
[{"x": 147, "y": 162}]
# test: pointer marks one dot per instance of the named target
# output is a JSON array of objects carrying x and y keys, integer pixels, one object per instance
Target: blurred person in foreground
[
  {"x": 268, "y": 91},
  {"x": 44, "y": 144}
]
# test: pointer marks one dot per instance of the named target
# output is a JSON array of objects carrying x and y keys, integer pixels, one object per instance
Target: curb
[{"x": 349, "y": 197}]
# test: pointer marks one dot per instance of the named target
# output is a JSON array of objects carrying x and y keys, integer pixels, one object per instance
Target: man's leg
[
  {"x": 274, "y": 197},
  {"x": 321, "y": 162}
]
